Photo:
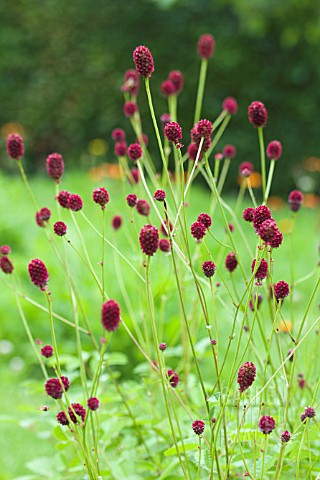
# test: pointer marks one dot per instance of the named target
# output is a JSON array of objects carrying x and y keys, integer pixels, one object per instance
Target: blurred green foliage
[{"x": 62, "y": 66}]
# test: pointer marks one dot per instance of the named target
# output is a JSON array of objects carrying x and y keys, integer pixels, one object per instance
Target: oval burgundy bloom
[
  {"x": 205, "y": 219},
  {"x": 229, "y": 151},
  {"x": 60, "y": 228},
  {"x": 246, "y": 376},
  {"x": 120, "y": 149},
  {"x": 208, "y": 268},
  {"x": 203, "y": 128},
  {"x": 6, "y": 265},
  {"x": 15, "y": 147},
  {"x": 135, "y": 151},
  {"x": 230, "y": 105},
  {"x": 100, "y": 196},
  {"x": 168, "y": 88},
  {"x": 75, "y": 202},
  {"x": 206, "y": 46},
  {"x": 176, "y": 78},
  {"x": 262, "y": 270},
  {"x": 173, "y": 132},
  {"x": 281, "y": 290},
  {"x": 193, "y": 152},
  {"x": 245, "y": 169},
  {"x": 164, "y": 245},
  {"x": 257, "y": 114},
  {"x": 55, "y": 166},
  {"x": 5, "y": 249},
  {"x": 77, "y": 409},
  {"x": 110, "y": 315},
  {"x": 63, "y": 198},
  {"x": 231, "y": 262},
  {"x": 149, "y": 239},
  {"x": 47, "y": 351},
  {"x": 131, "y": 82},
  {"x": 261, "y": 214},
  {"x": 266, "y": 424},
  {"x": 159, "y": 195},
  {"x": 38, "y": 273},
  {"x": 131, "y": 199},
  {"x": 93, "y": 403},
  {"x": 143, "y": 61},
  {"x": 198, "y": 230},
  {"x": 129, "y": 109},
  {"x": 118, "y": 134},
  {"x": 198, "y": 427},
  {"x": 43, "y": 216},
  {"x": 248, "y": 214},
  {"x": 173, "y": 378},
  {"x": 295, "y": 200},
  {"x": 143, "y": 207},
  {"x": 116, "y": 222},
  {"x": 274, "y": 150}
]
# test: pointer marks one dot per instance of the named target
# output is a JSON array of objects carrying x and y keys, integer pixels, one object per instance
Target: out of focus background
[{"x": 62, "y": 65}]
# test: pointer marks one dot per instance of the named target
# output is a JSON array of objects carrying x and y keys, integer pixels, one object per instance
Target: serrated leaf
[{"x": 214, "y": 398}]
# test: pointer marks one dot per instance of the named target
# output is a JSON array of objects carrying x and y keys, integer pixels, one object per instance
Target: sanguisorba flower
[
  {"x": 54, "y": 387},
  {"x": 208, "y": 268},
  {"x": 176, "y": 78},
  {"x": 38, "y": 273},
  {"x": 274, "y": 150},
  {"x": 135, "y": 151},
  {"x": 262, "y": 270},
  {"x": 248, "y": 214},
  {"x": 129, "y": 109},
  {"x": 149, "y": 239},
  {"x": 131, "y": 200},
  {"x": 6, "y": 265},
  {"x": 143, "y": 207},
  {"x": 110, "y": 315},
  {"x": 159, "y": 195},
  {"x": 198, "y": 230},
  {"x": 281, "y": 290},
  {"x": 229, "y": 151},
  {"x": 257, "y": 114},
  {"x": 230, "y": 105},
  {"x": 116, "y": 222},
  {"x": 164, "y": 245},
  {"x": 63, "y": 198},
  {"x": 93, "y": 403},
  {"x": 231, "y": 262},
  {"x": 75, "y": 202},
  {"x": 47, "y": 351},
  {"x": 266, "y": 424},
  {"x": 60, "y": 228},
  {"x": 100, "y": 196},
  {"x": 198, "y": 427},
  {"x": 143, "y": 61},
  {"x": 246, "y": 376},
  {"x": 5, "y": 249},
  {"x": 173, "y": 378},
  {"x": 131, "y": 82},
  {"x": 118, "y": 134},
  {"x": 55, "y": 166},
  {"x": 245, "y": 169},
  {"x": 79, "y": 410},
  {"x": 285, "y": 436},
  {"x": 295, "y": 200},
  {"x": 168, "y": 88},
  {"x": 173, "y": 132},
  {"x": 206, "y": 46},
  {"x": 205, "y": 219},
  {"x": 15, "y": 147},
  {"x": 43, "y": 216}
]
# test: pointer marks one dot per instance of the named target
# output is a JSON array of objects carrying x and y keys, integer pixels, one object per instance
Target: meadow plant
[{"x": 174, "y": 353}]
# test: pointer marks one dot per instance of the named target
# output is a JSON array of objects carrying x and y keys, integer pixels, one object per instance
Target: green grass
[{"x": 25, "y": 429}]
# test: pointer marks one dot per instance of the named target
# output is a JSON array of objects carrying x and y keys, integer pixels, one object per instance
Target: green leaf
[
  {"x": 187, "y": 447},
  {"x": 214, "y": 398}
]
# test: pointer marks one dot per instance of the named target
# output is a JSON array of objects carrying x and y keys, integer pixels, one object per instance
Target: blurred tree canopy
[{"x": 62, "y": 65}]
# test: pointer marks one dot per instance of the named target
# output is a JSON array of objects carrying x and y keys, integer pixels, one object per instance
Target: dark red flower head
[
  {"x": 173, "y": 132},
  {"x": 129, "y": 109},
  {"x": 131, "y": 199},
  {"x": 266, "y": 424},
  {"x": 38, "y": 273},
  {"x": 143, "y": 207},
  {"x": 261, "y": 214},
  {"x": 255, "y": 302},
  {"x": 168, "y": 88},
  {"x": 76, "y": 410},
  {"x": 15, "y": 146},
  {"x": 54, "y": 388},
  {"x": 43, "y": 216},
  {"x": 246, "y": 376},
  {"x": 173, "y": 378},
  {"x": 309, "y": 412},
  {"x": 118, "y": 134},
  {"x": 47, "y": 351},
  {"x": 198, "y": 427},
  {"x": 230, "y": 105},
  {"x": 245, "y": 169},
  {"x": 75, "y": 202},
  {"x": 110, "y": 315},
  {"x": 276, "y": 241},
  {"x": 144, "y": 140},
  {"x": 159, "y": 195},
  {"x": 203, "y": 128},
  {"x": 193, "y": 152},
  {"x": 5, "y": 250},
  {"x": 281, "y": 290},
  {"x": 267, "y": 230},
  {"x": 262, "y": 271},
  {"x": 257, "y": 114},
  {"x": 206, "y": 46},
  {"x": 248, "y": 214},
  {"x": 176, "y": 78},
  {"x": 60, "y": 228},
  {"x": 63, "y": 198},
  {"x": 143, "y": 61},
  {"x": 285, "y": 436},
  {"x": 231, "y": 262},
  {"x": 100, "y": 196},
  {"x": 120, "y": 149},
  {"x": 295, "y": 200},
  {"x": 229, "y": 151},
  {"x": 164, "y": 245},
  {"x": 6, "y": 265},
  {"x": 135, "y": 176},
  {"x": 131, "y": 82},
  {"x": 162, "y": 347},
  {"x": 165, "y": 118},
  {"x": 208, "y": 268},
  {"x": 149, "y": 239},
  {"x": 116, "y": 222},
  {"x": 205, "y": 219},
  {"x": 62, "y": 418},
  {"x": 135, "y": 151},
  {"x": 93, "y": 403},
  {"x": 274, "y": 150},
  {"x": 55, "y": 166},
  {"x": 198, "y": 230},
  {"x": 164, "y": 228}
]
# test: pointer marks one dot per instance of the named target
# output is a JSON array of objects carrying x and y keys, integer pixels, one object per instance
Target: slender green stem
[
  {"x": 201, "y": 85},
  {"x": 27, "y": 185},
  {"x": 263, "y": 163},
  {"x": 54, "y": 342},
  {"x": 270, "y": 177}
]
